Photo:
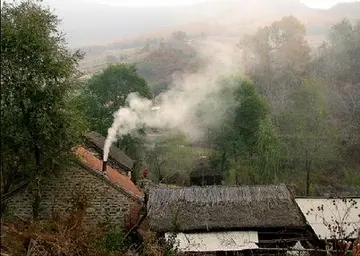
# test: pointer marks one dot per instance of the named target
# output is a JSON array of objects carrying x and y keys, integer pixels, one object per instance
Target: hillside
[
  {"x": 114, "y": 22},
  {"x": 230, "y": 17},
  {"x": 158, "y": 56},
  {"x": 102, "y": 24},
  {"x": 158, "y": 66}
]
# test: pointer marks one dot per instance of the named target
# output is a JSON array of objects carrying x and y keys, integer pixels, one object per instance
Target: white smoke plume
[{"x": 175, "y": 109}]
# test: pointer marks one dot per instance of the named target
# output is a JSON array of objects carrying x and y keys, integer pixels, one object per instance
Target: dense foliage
[
  {"x": 104, "y": 93},
  {"x": 313, "y": 98},
  {"x": 296, "y": 121},
  {"x": 39, "y": 122}
]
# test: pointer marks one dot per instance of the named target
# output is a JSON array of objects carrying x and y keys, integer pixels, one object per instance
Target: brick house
[{"x": 111, "y": 196}]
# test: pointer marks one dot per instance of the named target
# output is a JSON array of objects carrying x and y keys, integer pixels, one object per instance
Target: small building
[
  {"x": 110, "y": 196},
  {"x": 218, "y": 219},
  {"x": 117, "y": 158},
  {"x": 204, "y": 175}
]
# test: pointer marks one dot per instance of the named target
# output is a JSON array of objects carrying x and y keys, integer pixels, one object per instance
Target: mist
[
  {"x": 176, "y": 108},
  {"x": 102, "y": 23}
]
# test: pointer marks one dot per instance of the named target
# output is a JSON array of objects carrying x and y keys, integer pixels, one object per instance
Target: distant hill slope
[
  {"x": 158, "y": 57},
  {"x": 90, "y": 23},
  {"x": 225, "y": 18},
  {"x": 158, "y": 63},
  {"x": 159, "y": 66}
]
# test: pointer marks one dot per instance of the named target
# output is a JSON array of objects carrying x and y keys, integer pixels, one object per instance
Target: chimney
[{"x": 104, "y": 166}]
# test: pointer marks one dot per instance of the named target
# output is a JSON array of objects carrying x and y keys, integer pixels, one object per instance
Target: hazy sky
[{"x": 311, "y": 3}]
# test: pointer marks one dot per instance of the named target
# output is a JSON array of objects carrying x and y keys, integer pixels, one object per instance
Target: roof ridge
[{"x": 222, "y": 186}]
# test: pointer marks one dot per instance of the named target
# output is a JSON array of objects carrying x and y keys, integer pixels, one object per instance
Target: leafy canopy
[
  {"x": 104, "y": 93},
  {"x": 107, "y": 91},
  {"x": 38, "y": 74}
]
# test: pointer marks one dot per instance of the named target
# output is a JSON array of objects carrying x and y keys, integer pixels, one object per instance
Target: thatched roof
[
  {"x": 115, "y": 153},
  {"x": 222, "y": 208}
]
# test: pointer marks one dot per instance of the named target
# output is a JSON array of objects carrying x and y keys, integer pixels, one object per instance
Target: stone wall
[{"x": 106, "y": 204}]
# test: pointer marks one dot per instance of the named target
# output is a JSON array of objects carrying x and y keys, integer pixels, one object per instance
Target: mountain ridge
[{"x": 101, "y": 24}]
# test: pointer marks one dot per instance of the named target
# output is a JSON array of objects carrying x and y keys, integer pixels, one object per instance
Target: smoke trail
[
  {"x": 176, "y": 108},
  {"x": 127, "y": 119}
]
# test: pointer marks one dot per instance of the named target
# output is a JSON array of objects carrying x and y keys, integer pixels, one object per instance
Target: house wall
[{"x": 106, "y": 204}]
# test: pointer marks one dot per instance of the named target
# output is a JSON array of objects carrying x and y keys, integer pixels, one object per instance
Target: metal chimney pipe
[{"x": 104, "y": 166}]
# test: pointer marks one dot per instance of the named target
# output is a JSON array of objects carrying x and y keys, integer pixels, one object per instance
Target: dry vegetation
[
  {"x": 67, "y": 235},
  {"x": 159, "y": 65},
  {"x": 63, "y": 235}
]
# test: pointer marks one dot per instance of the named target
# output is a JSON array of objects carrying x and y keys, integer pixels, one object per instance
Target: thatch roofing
[
  {"x": 222, "y": 208},
  {"x": 115, "y": 153}
]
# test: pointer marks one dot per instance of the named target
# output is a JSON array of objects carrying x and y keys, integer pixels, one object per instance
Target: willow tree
[
  {"x": 245, "y": 140},
  {"x": 38, "y": 73}
]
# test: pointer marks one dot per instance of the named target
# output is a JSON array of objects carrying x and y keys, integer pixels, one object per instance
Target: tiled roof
[{"x": 114, "y": 176}]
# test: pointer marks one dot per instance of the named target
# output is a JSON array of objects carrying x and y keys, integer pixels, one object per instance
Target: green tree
[
  {"x": 246, "y": 136},
  {"x": 338, "y": 59},
  {"x": 239, "y": 131},
  {"x": 268, "y": 159},
  {"x": 39, "y": 124},
  {"x": 338, "y": 64},
  {"x": 105, "y": 93},
  {"x": 309, "y": 133}
]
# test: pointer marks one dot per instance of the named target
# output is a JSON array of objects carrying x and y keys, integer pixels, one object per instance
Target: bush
[
  {"x": 113, "y": 242},
  {"x": 352, "y": 178},
  {"x": 65, "y": 235},
  {"x": 154, "y": 246}
]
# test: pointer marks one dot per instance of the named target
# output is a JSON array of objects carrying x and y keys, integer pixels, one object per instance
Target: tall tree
[
  {"x": 246, "y": 136},
  {"x": 105, "y": 93},
  {"x": 278, "y": 55},
  {"x": 38, "y": 73},
  {"x": 268, "y": 159},
  {"x": 338, "y": 64},
  {"x": 309, "y": 133}
]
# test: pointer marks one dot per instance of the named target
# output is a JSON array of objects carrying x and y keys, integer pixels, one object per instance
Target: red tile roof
[{"x": 114, "y": 176}]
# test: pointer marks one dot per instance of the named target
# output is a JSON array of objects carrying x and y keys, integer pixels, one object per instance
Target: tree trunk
[
  {"x": 307, "y": 169},
  {"x": 223, "y": 160},
  {"x": 37, "y": 196}
]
